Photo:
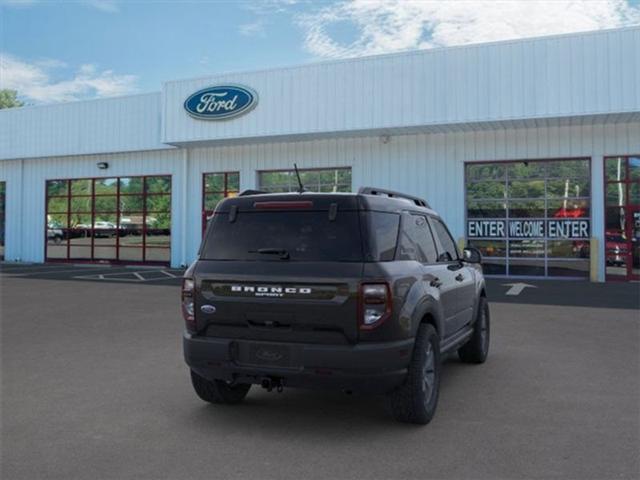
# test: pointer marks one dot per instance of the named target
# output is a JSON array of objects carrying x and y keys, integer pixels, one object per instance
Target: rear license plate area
[{"x": 265, "y": 354}]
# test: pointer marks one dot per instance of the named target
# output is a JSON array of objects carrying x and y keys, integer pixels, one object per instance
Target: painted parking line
[
  {"x": 22, "y": 267},
  {"x": 135, "y": 277},
  {"x": 46, "y": 271}
]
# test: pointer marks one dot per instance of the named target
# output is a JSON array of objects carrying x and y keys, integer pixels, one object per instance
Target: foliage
[{"x": 9, "y": 99}]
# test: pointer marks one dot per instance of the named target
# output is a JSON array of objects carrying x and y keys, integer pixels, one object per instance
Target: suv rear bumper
[{"x": 365, "y": 367}]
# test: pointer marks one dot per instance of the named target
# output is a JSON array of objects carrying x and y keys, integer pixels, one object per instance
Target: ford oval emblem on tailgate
[
  {"x": 269, "y": 355},
  {"x": 208, "y": 309}
]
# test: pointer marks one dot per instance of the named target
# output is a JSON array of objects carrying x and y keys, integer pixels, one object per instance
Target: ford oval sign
[{"x": 221, "y": 102}]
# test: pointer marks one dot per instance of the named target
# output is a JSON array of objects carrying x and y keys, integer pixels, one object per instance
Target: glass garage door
[
  {"x": 530, "y": 218},
  {"x": 622, "y": 217},
  {"x": 215, "y": 188},
  {"x": 120, "y": 219}
]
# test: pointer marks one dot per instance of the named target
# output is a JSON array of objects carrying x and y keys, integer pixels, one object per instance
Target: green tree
[{"x": 9, "y": 99}]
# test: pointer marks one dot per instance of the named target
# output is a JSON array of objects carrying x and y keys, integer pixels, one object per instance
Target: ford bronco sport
[{"x": 361, "y": 292}]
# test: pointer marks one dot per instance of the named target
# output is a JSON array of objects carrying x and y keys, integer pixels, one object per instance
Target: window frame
[
  {"x": 291, "y": 171},
  {"x": 94, "y": 215},
  {"x": 206, "y": 213},
  {"x": 504, "y": 261},
  {"x": 627, "y": 207}
]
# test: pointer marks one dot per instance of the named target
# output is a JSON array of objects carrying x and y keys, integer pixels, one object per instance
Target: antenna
[{"x": 301, "y": 189}]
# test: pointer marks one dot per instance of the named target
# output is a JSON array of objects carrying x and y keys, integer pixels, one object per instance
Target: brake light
[
  {"x": 188, "y": 308},
  {"x": 375, "y": 305},
  {"x": 283, "y": 204}
]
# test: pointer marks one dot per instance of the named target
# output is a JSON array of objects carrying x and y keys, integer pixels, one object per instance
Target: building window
[
  {"x": 530, "y": 218},
  {"x": 216, "y": 187},
  {"x": 622, "y": 217},
  {"x": 3, "y": 187},
  {"x": 120, "y": 219},
  {"x": 314, "y": 180}
]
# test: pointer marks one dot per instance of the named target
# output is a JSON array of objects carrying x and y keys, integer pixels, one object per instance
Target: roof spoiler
[
  {"x": 244, "y": 193},
  {"x": 421, "y": 202}
]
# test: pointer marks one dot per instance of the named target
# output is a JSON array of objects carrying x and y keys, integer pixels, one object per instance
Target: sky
[{"x": 57, "y": 51}]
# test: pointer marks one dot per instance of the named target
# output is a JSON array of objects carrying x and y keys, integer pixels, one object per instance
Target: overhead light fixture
[{"x": 102, "y": 165}]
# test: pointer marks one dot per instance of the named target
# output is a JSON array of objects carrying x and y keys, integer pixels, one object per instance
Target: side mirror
[{"x": 471, "y": 255}]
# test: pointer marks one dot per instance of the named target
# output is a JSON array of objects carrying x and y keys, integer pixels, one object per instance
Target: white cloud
[
  {"x": 252, "y": 29},
  {"x": 33, "y": 81},
  {"x": 387, "y": 26},
  {"x": 265, "y": 7}
]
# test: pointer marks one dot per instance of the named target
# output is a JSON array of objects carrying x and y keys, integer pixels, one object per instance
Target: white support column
[
  {"x": 248, "y": 177},
  {"x": 597, "y": 213},
  {"x": 184, "y": 185},
  {"x": 14, "y": 212}
]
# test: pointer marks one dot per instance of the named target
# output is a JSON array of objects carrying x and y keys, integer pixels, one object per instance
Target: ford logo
[
  {"x": 208, "y": 309},
  {"x": 269, "y": 355},
  {"x": 221, "y": 102}
]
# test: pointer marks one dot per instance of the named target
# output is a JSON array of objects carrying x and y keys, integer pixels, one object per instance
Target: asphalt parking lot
[
  {"x": 147, "y": 275},
  {"x": 94, "y": 386}
]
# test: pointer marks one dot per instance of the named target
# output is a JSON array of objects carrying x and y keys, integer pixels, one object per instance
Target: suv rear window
[{"x": 306, "y": 236}]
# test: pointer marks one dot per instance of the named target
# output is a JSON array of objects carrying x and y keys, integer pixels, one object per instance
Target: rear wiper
[{"x": 284, "y": 255}]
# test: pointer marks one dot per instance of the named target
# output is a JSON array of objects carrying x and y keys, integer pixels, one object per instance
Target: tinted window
[
  {"x": 416, "y": 242},
  {"x": 449, "y": 252},
  {"x": 306, "y": 236},
  {"x": 383, "y": 235}
]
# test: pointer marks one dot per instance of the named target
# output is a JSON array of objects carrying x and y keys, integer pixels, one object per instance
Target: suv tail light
[
  {"x": 375, "y": 305},
  {"x": 188, "y": 308}
]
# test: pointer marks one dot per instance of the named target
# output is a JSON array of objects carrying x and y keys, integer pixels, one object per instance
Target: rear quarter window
[{"x": 382, "y": 235}]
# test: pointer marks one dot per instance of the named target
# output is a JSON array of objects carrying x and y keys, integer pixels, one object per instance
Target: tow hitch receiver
[{"x": 269, "y": 383}]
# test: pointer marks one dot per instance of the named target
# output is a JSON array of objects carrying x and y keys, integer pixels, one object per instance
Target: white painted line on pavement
[
  {"x": 517, "y": 288},
  {"x": 44, "y": 272}
]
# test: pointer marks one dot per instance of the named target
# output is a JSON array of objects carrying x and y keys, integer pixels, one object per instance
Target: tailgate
[{"x": 307, "y": 302}]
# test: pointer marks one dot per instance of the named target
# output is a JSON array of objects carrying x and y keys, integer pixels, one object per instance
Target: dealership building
[{"x": 529, "y": 149}]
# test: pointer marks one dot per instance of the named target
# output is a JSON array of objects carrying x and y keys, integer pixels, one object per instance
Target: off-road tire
[
  {"x": 477, "y": 348},
  {"x": 414, "y": 402},
  {"x": 219, "y": 391}
]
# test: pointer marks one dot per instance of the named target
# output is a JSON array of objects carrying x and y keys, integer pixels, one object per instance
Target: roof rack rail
[
  {"x": 391, "y": 194},
  {"x": 244, "y": 193}
]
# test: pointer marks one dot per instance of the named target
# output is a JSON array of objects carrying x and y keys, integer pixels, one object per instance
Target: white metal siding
[
  {"x": 26, "y": 206},
  {"x": 428, "y": 165},
  {"x": 97, "y": 126},
  {"x": 562, "y": 76}
]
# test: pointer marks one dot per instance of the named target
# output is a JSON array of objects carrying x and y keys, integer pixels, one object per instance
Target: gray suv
[{"x": 358, "y": 292}]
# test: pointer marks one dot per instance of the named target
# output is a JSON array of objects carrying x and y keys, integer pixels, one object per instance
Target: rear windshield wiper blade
[{"x": 284, "y": 254}]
